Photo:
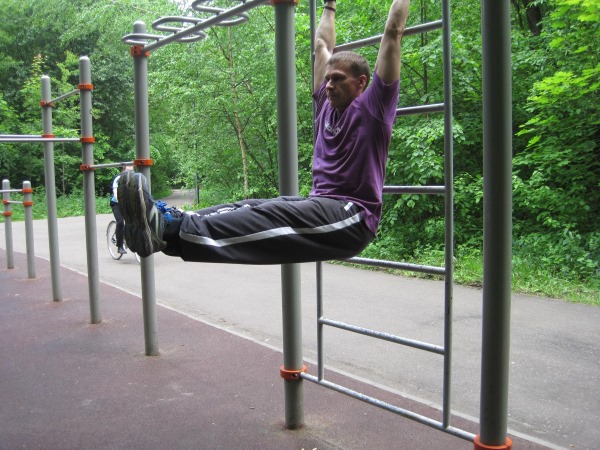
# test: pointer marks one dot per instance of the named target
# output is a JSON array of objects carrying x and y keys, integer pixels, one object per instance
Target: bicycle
[{"x": 111, "y": 242}]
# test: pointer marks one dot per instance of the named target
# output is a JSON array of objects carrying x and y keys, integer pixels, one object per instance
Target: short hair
[{"x": 355, "y": 63}]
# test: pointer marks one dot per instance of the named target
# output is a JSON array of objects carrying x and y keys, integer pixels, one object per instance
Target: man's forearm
[{"x": 326, "y": 29}]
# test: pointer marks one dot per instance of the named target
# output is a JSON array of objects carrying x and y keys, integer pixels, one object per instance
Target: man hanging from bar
[{"x": 353, "y": 128}]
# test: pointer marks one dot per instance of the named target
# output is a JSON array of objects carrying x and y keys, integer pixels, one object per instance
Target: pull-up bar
[{"x": 34, "y": 138}]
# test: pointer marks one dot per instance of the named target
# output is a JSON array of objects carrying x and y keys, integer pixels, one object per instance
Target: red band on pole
[
  {"x": 480, "y": 446},
  {"x": 87, "y": 140},
  {"x": 27, "y": 191},
  {"x": 27, "y": 203},
  {"x": 47, "y": 136},
  {"x": 137, "y": 51},
  {"x": 143, "y": 162},
  {"x": 7, "y": 213},
  {"x": 291, "y": 375},
  {"x": 85, "y": 86},
  {"x": 46, "y": 104},
  {"x": 86, "y": 167}
]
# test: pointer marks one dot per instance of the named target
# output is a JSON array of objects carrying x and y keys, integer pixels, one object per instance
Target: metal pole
[
  {"x": 51, "y": 192},
  {"x": 449, "y": 211},
  {"x": 10, "y": 262},
  {"x": 27, "y": 206},
  {"x": 89, "y": 188},
  {"x": 497, "y": 142},
  {"x": 287, "y": 134},
  {"x": 142, "y": 150}
]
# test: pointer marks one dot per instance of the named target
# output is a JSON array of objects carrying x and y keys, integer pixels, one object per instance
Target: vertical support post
[
  {"x": 89, "y": 187},
  {"x": 497, "y": 142},
  {"x": 142, "y": 151},
  {"x": 287, "y": 137},
  {"x": 27, "y": 206},
  {"x": 449, "y": 211},
  {"x": 51, "y": 191},
  {"x": 10, "y": 261}
]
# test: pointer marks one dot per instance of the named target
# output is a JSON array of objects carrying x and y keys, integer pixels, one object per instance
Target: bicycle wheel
[{"x": 111, "y": 240}]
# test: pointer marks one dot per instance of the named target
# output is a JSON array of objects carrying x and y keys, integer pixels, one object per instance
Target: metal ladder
[{"x": 446, "y": 272}]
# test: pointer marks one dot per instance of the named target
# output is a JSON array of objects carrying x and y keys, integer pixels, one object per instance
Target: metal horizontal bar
[
  {"x": 389, "y": 407},
  {"x": 383, "y": 336},
  {"x": 20, "y": 136},
  {"x": 62, "y": 97},
  {"x": 16, "y": 202},
  {"x": 10, "y": 191},
  {"x": 414, "y": 189},
  {"x": 398, "y": 265},
  {"x": 417, "y": 29},
  {"x": 420, "y": 109},
  {"x": 40, "y": 139},
  {"x": 205, "y": 24},
  {"x": 108, "y": 165}
]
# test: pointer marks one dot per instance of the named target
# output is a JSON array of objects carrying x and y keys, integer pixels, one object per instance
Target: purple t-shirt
[{"x": 351, "y": 150}]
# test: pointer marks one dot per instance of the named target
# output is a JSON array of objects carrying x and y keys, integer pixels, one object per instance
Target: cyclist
[{"x": 116, "y": 209}]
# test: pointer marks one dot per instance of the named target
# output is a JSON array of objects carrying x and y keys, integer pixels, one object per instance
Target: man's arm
[
  {"x": 388, "y": 58},
  {"x": 324, "y": 43}
]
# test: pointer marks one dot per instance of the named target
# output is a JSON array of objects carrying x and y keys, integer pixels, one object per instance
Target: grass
[{"x": 527, "y": 276}]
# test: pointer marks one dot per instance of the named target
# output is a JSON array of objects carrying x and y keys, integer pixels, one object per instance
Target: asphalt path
[{"x": 555, "y": 354}]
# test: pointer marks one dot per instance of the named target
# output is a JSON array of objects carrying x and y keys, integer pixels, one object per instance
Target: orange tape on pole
[
  {"x": 47, "y": 136},
  {"x": 27, "y": 203},
  {"x": 7, "y": 213},
  {"x": 46, "y": 104},
  {"x": 86, "y": 167},
  {"x": 480, "y": 446},
  {"x": 143, "y": 162},
  {"x": 87, "y": 140},
  {"x": 291, "y": 375},
  {"x": 85, "y": 86},
  {"x": 27, "y": 191},
  {"x": 137, "y": 51}
]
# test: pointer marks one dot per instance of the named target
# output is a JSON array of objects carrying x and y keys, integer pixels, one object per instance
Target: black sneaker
[
  {"x": 144, "y": 223},
  {"x": 124, "y": 179}
]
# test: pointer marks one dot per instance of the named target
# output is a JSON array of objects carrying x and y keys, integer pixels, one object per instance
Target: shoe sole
[{"x": 138, "y": 233}]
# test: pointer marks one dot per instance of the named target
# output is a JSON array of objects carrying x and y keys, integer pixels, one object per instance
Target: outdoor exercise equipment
[
  {"x": 27, "y": 203},
  {"x": 497, "y": 151}
]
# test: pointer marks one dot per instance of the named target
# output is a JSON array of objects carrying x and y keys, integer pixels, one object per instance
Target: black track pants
[{"x": 275, "y": 231}]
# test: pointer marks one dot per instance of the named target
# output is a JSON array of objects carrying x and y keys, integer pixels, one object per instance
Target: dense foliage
[{"x": 213, "y": 115}]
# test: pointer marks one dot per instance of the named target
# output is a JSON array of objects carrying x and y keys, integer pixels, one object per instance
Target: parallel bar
[
  {"x": 20, "y": 136},
  {"x": 67, "y": 95},
  {"x": 414, "y": 189},
  {"x": 29, "y": 242},
  {"x": 89, "y": 192},
  {"x": 109, "y": 165},
  {"x": 50, "y": 178},
  {"x": 10, "y": 191},
  {"x": 420, "y": 109},
  {"x": 204, "y": 25},
  {"x": 40, "y": 139},
  {"x": 383, "y": 336},
  {"x": 374, "y": 40},
  {"x": 394, "y": 409},
  {"x": 398, "y": 266},
  {"x": 8, "y": 235}
]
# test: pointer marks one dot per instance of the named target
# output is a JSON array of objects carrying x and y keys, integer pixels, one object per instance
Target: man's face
[{"x": 342, "y": 87}]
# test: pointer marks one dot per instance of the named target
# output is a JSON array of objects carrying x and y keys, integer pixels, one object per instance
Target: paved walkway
[
  {"x": 553, "y": 400},
  {"x": 68, "y": 384}
]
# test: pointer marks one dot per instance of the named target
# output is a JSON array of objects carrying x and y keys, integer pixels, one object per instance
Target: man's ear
[{"x": 362, "y": 81}]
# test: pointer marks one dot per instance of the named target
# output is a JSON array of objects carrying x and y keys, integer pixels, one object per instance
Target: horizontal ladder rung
[
  {"x": 417, "y": 29},
  {"x": 420, "y": 109},
  {"x": 389, "y": 407},
  {"x": 414, "y": 189},
  {"x": 383, "y": 336},
  {"x": 399, "y": 265}
]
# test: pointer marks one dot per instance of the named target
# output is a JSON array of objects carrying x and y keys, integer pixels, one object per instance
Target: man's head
[{"x": 347, "y": 75}]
